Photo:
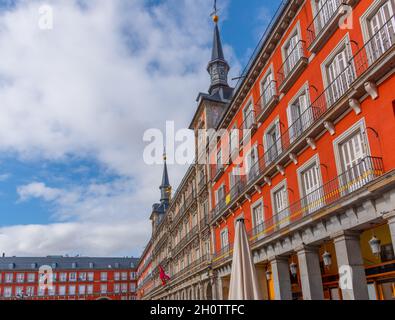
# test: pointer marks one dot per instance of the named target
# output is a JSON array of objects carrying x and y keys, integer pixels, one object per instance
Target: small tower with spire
[
  {"x": 165, "y": 188},
  {"x": 159, "y": 209},
  {"x": 218, "y": 67}
]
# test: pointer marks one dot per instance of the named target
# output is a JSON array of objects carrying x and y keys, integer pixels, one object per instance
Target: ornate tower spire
[
  {"x": 165, "y": 188},
  {"x": 218, "y": 67}
]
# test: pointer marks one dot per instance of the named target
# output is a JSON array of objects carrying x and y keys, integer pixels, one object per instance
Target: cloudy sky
[{"x": 76, "y": 100}]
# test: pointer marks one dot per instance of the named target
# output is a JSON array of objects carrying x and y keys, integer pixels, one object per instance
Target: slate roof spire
[
  {"x": 218, "y": 67},
  {"x": 165, "y": 187}
]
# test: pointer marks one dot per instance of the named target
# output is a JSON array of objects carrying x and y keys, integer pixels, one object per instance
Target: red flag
[{"x": 163, "y": 276}]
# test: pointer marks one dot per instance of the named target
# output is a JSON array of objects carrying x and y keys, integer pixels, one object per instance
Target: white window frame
[
  {"x": 20, "y": 277},
  {"x": 224, "y": 231},
  {"x": 248, "y": 115},
  {"x": 295, "y": 31},
  {"x": 89, "y": 289},
  {"x": 31, "y": 277},
  {"x": 103, "y": 276},
  {"x": 368, "y": 14},
  {"x": 91, "y": 276},
  {"x": 359, "y": 125},
  {"x": 7, "y": 292},
  {"x": 274, "y": 124},
  {"x": 253, "y": 207},
  {"x": 248, "y": 158},
  {"x": 273, "y": 191},
  {"x": 63, "y": 277},
  {"x": 314, "y": 160},
  {"x": 344, "y": 43},
  {"x": 262, "y": 87},
  {"x": 82, "y": 289},
  {"x": 72, "y": 290},
  {"x": 62, "y": 290},
  {"x": 9, "y": 278},
  {"x": 73, "y": 276},
  {"x": 304, "y": 90}
]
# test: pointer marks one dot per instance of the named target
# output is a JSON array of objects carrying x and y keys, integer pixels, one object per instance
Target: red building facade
[
  {"x": 73, "y": 278},
  {"x": 310, "y": 155}
]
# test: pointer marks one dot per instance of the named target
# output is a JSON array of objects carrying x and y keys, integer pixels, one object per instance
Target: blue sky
[{"x": 72, "y": 179}]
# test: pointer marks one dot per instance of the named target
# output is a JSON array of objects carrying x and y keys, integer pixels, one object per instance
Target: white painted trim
[
  {"x": 344, "y": 43},
  {"x": 274, "y": 123},
  {"x": 295, "y": 31},
  {"x": 269, "y": 70},
  {"x": 253, "y": 206},
  {"x": 304, "y": 89},
  {"x": 314, "y": 159},
  {"x": 359, "y": 125},
  {"x": 225, "y": 229},
  {"x": 279, "y": 186},
  {"x": 367, "y": 15}
]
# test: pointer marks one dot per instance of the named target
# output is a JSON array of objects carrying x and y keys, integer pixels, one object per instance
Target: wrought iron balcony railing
[
  {"x": 353, "y": 179},
  {"x": 216, "y": 171},
  {"x": 292, "y": 66},
  {"x": 206, "y": 258},
  {"x": 223, "y": 254},
  {"x": 380, "y": 43},
  {"x": 189, "y": 235},
  {"x": 202, "y": 183},
  {"x": 268, "y": 99},
  {"x": 323, "y": 19},
  {"x": 247, "y": 127}
]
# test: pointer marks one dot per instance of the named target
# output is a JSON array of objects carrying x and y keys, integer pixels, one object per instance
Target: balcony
[
  {"x": 185, "y": 240},
  {"x": 268, "y": 100},
  {"x": 378, "y": 45},
  {"x": 370, "y": 63},
  {"x": 204, "y": 260},
  {"x": 352, "y": 180},
  {"x": 219, "y": 207},
  {"x": 216, "y": 171},
  {"x": 204, "y": 222},
  {"x": 247, "y": 128},
  {"x": 292, "y": 67},
  {"x": 202, "y": 183},
  {"x": 223, "y": 255},
  {"x": 325, "y": 23}
]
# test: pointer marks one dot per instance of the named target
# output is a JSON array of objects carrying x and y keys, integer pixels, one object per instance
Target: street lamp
[
  {"x": 293, "y": 268},
  {"x": 375, "y": 245},
  {"x": 327, "y": 259}
]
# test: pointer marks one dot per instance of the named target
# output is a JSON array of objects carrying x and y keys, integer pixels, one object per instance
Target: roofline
[{"x": 258, "y": 50}]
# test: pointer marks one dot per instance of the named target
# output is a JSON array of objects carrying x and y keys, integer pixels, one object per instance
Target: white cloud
[
  {"x": 89, "y": 88},
  {"x": 74, "y": 238},
  {"x": 4, "y": 177},
  {"x": 38, "y": 190}
]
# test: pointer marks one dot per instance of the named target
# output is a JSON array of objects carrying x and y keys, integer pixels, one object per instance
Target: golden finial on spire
[{"x": 215, "y": 13}]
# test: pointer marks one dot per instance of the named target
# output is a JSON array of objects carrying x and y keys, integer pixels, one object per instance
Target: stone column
[
  {"x": 390, "y": 217},
  {"x": 281, "y": 278},
  {"x": 218, "y": 289},
  {"x": 352, "y": 279},
  {"x": 310, "y": 273}
]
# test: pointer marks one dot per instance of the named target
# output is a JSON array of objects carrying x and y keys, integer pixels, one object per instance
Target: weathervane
[{"x": 215, "y": 13}]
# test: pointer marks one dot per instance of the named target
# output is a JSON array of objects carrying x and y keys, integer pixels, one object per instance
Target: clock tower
[{"x": 218, "y": 68}]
